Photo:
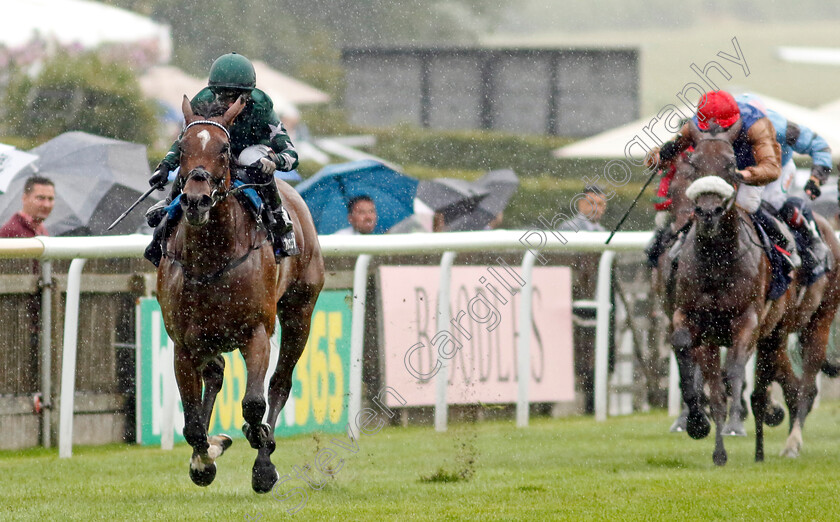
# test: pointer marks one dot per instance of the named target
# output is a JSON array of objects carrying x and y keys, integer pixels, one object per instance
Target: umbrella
[
  {"x": 421, "y": 221},
  {"x": 500, "y": 186},
  {"x": 451, "y": 197},
  {"x": 95, "y": 179},
  {"x": 12, "y": 161},
  {"x": 327, "y": 193}
]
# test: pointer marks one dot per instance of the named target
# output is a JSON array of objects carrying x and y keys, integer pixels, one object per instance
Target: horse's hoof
[
  {"x": 719, "y": 457},
  {"x": 774, "y": 416},
  {"x": 790, "y": 451},
  {"x": 734, "y": 430},
  {"x": 697, "y": 425},
  {"x": 205, "y": 477},
  {"x": 222, "y": 440},
  {"x": 263, "y": 479},
  {"x": 679, "y": 425}
]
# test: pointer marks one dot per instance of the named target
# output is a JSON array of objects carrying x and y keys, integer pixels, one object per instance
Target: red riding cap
[{"x": 717, "y": 107}]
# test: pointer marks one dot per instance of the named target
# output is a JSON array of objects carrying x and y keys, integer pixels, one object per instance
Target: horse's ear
[
  {"x": 186, "y": 108},
  {"x": 733, "y": 131},
  {"x": 233, "y": 111}
]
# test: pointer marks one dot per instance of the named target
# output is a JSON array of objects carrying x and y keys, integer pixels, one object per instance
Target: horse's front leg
[
  {"x": 744, "y": 336},
  {"x": 709, "y": 360},
  {"x": 684, "y": 340},
  {"x": 260, "y": 435},
  {"x": 188, "y": 377}
]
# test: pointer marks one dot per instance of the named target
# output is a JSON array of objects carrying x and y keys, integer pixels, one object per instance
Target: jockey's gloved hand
[
  {"x": 812, "y": 189},
  {"x": 268, "y": 163},
  {"x": 265, "y": 165},
  {"x": 160, "y": 177}
]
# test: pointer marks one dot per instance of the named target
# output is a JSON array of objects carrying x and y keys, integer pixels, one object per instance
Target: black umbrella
[
  {"x": 450, "y": 197},
  {"x": 95, "y": 178},
  {"x": 499, "y": 185}
]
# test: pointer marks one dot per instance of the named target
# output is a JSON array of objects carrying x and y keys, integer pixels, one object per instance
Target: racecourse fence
[{"x": 93, "y": 371}]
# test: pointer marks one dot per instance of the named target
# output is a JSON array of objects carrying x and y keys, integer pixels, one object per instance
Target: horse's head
[
  {"x": 713, "y": 153},
  {"x": 713, "y": 198},
  {"x": 205, "y": 159}
]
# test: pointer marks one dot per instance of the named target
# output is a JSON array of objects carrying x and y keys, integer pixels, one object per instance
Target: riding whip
[
  {"x": 144, "y": 196},
  {"x": 632, "y": 205}
]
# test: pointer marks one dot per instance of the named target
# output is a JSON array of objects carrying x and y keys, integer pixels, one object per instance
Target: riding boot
[
  {"x": 154, "y": 251},
  {"x": 662, "y": 237},
  {"x": 279, "y": 223},
  {"x": 815, "y": 252},
  {"x": 157, "y": 211}
]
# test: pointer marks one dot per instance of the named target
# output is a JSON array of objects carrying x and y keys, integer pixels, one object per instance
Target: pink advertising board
[{"x": 479, "y": 344}]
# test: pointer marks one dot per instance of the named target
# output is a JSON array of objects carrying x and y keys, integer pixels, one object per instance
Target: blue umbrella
[{"x": 327, "y": 193}]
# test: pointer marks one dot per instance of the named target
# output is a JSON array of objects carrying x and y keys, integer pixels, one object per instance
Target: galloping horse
[
  {"x": 810, "y": 314},
  {"x": 720, "y": 297},
  {"x": 220, "y": 290}
]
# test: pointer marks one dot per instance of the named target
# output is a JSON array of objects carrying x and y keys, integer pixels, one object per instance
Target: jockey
[
  {"x": 758, "y": 154},
  {"x": 793, "y": 210},
  {"x": 231, "y": 76}
]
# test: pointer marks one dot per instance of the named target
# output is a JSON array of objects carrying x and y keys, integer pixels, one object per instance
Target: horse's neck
[{"x": 217, "y": 241}]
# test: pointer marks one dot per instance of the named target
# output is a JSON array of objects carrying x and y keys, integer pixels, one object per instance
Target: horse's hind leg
[
  {"x": 295, "y": 312},
  {"x": 213, "y": 374},
  {"x": 765, "y": 367},
  {"x": 260, "y": 436},
  {"x": 188, "y": 377}
]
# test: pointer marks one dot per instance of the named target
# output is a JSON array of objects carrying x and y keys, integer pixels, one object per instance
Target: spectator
[
  {"x": 590, "y": 211},
  {"x": 584, "y": 273},
  {"x": 38, "y": 201},
  {"x": 361, "y": 214}
]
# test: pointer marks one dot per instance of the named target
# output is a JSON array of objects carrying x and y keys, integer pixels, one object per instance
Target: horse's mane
[{"x": 210, "y": 109}]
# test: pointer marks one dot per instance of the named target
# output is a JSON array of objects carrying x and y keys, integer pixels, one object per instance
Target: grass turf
[{"x": 628, "y": 468}]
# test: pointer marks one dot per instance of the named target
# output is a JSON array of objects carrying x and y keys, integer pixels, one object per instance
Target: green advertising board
[{"x": 320, "y": 383}]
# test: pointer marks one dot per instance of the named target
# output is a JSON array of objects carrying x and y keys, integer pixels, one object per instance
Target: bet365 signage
[{"x": 320, "y": 383}]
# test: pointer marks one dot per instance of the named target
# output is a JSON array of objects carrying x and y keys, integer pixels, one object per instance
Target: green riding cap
[{"x": 232, "y": 71}]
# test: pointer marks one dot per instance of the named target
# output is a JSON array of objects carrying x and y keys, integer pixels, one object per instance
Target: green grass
[{"x": 627, "y": 468}]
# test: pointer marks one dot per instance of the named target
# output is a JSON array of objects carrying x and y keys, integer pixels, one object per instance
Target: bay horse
[
  {"x": 720, "y": 296},
  {"x": 220, "y": 290}
]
